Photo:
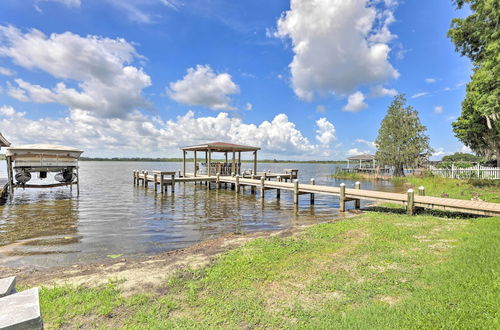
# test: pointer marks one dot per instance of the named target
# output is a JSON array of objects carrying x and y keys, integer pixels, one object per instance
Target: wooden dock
[{"x": 410, "y": 200}]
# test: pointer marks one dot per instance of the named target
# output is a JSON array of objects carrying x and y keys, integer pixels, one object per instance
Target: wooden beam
[
  {"x": 195, "y": 169},
  {"x": 255, "y": 162},
  {"x": 342, "y": 197},
  {"x": 357, "y": 202},
  {"x": 183, "y": 163}
]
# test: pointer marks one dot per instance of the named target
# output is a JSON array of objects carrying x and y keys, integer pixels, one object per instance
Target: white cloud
[
  {"x": 202, "y": 86},
  {"x": 438, "y": 109},
  {"x": 5, "y": 71},
  {"x": 430, "y": 80},
  {"x": 355, "y": 152},
  {"x": 380, "y": 91},
  {"x": 325, "y": 133},
  {"x": 107, "y": 84},
  {"x": 439, "y": 153},
  {"x": 321, "y": 108},
  {"x": 142, "y": 11},
  {"x": 248, "y": 106},
  {"x": 139, "y": 135},
  {"x": 417, "y": 95},
  {"x": 355, "y": 102},
  {"x": 338, "y": 45},
  {"x": 466, "y": 149},
  {"x": 67, "y": 3},
  {"x": 370, "y": 144}
]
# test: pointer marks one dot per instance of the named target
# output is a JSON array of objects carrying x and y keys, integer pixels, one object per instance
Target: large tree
[
  {"x": 402, "y": 140},
  {"x": 478, "y": 37}
]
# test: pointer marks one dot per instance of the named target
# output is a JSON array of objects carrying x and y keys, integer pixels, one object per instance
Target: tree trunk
[
  {"x": 498, "y": 156},
  {"x": 399, "y": 170}
]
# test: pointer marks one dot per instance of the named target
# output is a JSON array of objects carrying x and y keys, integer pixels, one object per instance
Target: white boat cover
[{"x": 43, "y": 149}]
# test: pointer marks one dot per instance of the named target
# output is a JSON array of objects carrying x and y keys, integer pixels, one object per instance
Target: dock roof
[
  {"x": 362, "y": 157},
  {"x": 3, "y": 141},
  {"x": 220, "y": 147}
]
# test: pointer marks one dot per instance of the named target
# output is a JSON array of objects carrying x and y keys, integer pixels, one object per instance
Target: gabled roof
[
  {"x": 3, "y": 141},
  {"x": 362, "y": 157},
  {"x": 220, "y": 147}
]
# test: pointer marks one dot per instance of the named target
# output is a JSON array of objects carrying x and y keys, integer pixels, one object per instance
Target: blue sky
[{"x": 302, "y": 79}]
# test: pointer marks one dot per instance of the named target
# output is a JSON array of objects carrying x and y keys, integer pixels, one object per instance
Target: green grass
[
  {"x": 348, "y": 175},
  {"x": 376, "y": 270},
  {"x": 487, "y": 190}
]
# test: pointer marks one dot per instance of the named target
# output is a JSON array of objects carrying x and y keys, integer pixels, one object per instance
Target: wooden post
[
  {"x": 421, "y": 191},
  {"x": 342, "y": 197},
  {"x": 237, "y": 183},
  {"x": 296, "y": 192},
  {"x": 195, "y": 164},
  {"x": 155, "y": 177},
  {"x": 209, "y": 163},
  {"x": 172, "y": 182},
  {"x": 255, "y": 162},
  {"x": 162, "y": 185},
  {"x": 313, "y": 182},
  {"x": 357, "y": 202},
  {"x": 233, "y": 169},
  {"x": 410, "y": 207},
  {"x": 145, "y": 179},
  {"x": 239, "y": 163},
  {"x": 252, "y": 188},
  {"x": 262, "y": 187},
  {"x": 218, "y": 181},
  {"x": 135, "y": 177},
  {"x": 278, "y": 191},
  {"x": 77, "y": 182},
  {"x": 184, "y": 163},
  {"x": 478, "y": 171},
  {"x": 10, "y": 175}
]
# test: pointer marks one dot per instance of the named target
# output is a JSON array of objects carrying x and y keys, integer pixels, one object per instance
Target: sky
[{"x": 302, "y": 79}]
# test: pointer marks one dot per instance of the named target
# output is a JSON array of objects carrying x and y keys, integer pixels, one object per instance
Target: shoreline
[{"x": 141, "y": 273}]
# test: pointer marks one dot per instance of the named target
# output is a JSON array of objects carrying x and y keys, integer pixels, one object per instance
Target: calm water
[{"x": 47, "y": 227}]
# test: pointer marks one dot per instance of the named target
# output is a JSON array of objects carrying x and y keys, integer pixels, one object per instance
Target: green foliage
[
  {"x": 478, "y": 37},
  {"x": 461, "y": 156},
  {"x": 402, "y": 139},
  {"x": 486, "y": 190},
  {"x": 459, "y": 164}
]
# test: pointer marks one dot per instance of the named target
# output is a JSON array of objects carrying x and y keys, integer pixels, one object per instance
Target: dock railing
[{"x": 474, "y": 172}]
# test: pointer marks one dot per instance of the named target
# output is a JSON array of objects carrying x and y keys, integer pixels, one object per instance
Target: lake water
[{"x": 49, "y": 227}]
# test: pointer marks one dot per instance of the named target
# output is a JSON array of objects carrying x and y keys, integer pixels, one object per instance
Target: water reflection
[{"x": 111, "y": 216}]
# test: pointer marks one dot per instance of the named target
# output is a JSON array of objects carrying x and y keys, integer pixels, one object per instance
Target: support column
[
  {"x": 421, "y": 191},
  {"x": 313, "y": 182},
  {"x": 183, "y": 163},
  {"x": 162, "y": 186},
  {"x": 410, "y": 207},
  {"x": 357, "y": 202},
  {"x": 10, "y": 175},
  {"x": 237, "y": 183},
  {"x": 145, "y": 179},
  {"x": 278, "y": 191},
  {"x": 172, "y": 182},
  {"x": 155, "y": 177},
  {"x": 255, "y": 162},
  {"x": 342, "y": 197},
  {"x": 252, "y": 188},
  {"x": 239, "y": 163},
  {"x": 195, "y": 164},
  {"x": 296, "y": 192},
  {"x": 262, "y": 187},
  {"x": 233, "y": 169},
  {"x": 209, "y": 162},
  {"x": 77, "y": 182}
]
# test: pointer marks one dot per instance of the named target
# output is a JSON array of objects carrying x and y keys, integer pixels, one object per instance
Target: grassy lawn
[
  {"x": 486, "y": 190},
  {"x": 376, "y": 270}
]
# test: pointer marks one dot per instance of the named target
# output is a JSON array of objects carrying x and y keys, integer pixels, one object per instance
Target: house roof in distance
[
  {"x": 220, "y": 147},
  {"x": 362, "y": 157}
]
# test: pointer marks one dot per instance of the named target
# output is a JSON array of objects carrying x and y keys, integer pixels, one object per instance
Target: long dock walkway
[{"x": 410, "y": 200}]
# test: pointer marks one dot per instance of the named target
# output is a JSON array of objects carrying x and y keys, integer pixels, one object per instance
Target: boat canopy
[{"x": 42, "y": 149}]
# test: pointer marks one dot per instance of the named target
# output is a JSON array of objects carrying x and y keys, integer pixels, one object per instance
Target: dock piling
[
  {"x": 278, "y": 191},
  {"x": 237, "y": 178},
  {"x": 252, "y": 189},
  {"x": 342, "y": 197},
  {"x": 155, "y": 179},
  {"x": 421, "y": 191},
  {"x": 357, "y": 202},
  {"x": 145, "y": 179},
  {"x": 296, "y": 192},
  {"x": 313, "y": 182},
  {"x": 410, "y": 207},
  {"x": 262, "y": 188}
]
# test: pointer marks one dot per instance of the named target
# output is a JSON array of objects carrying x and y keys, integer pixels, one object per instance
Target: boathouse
[
  {"x": 362, "y": 161},
  {"x": 213, "y": 167}
]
